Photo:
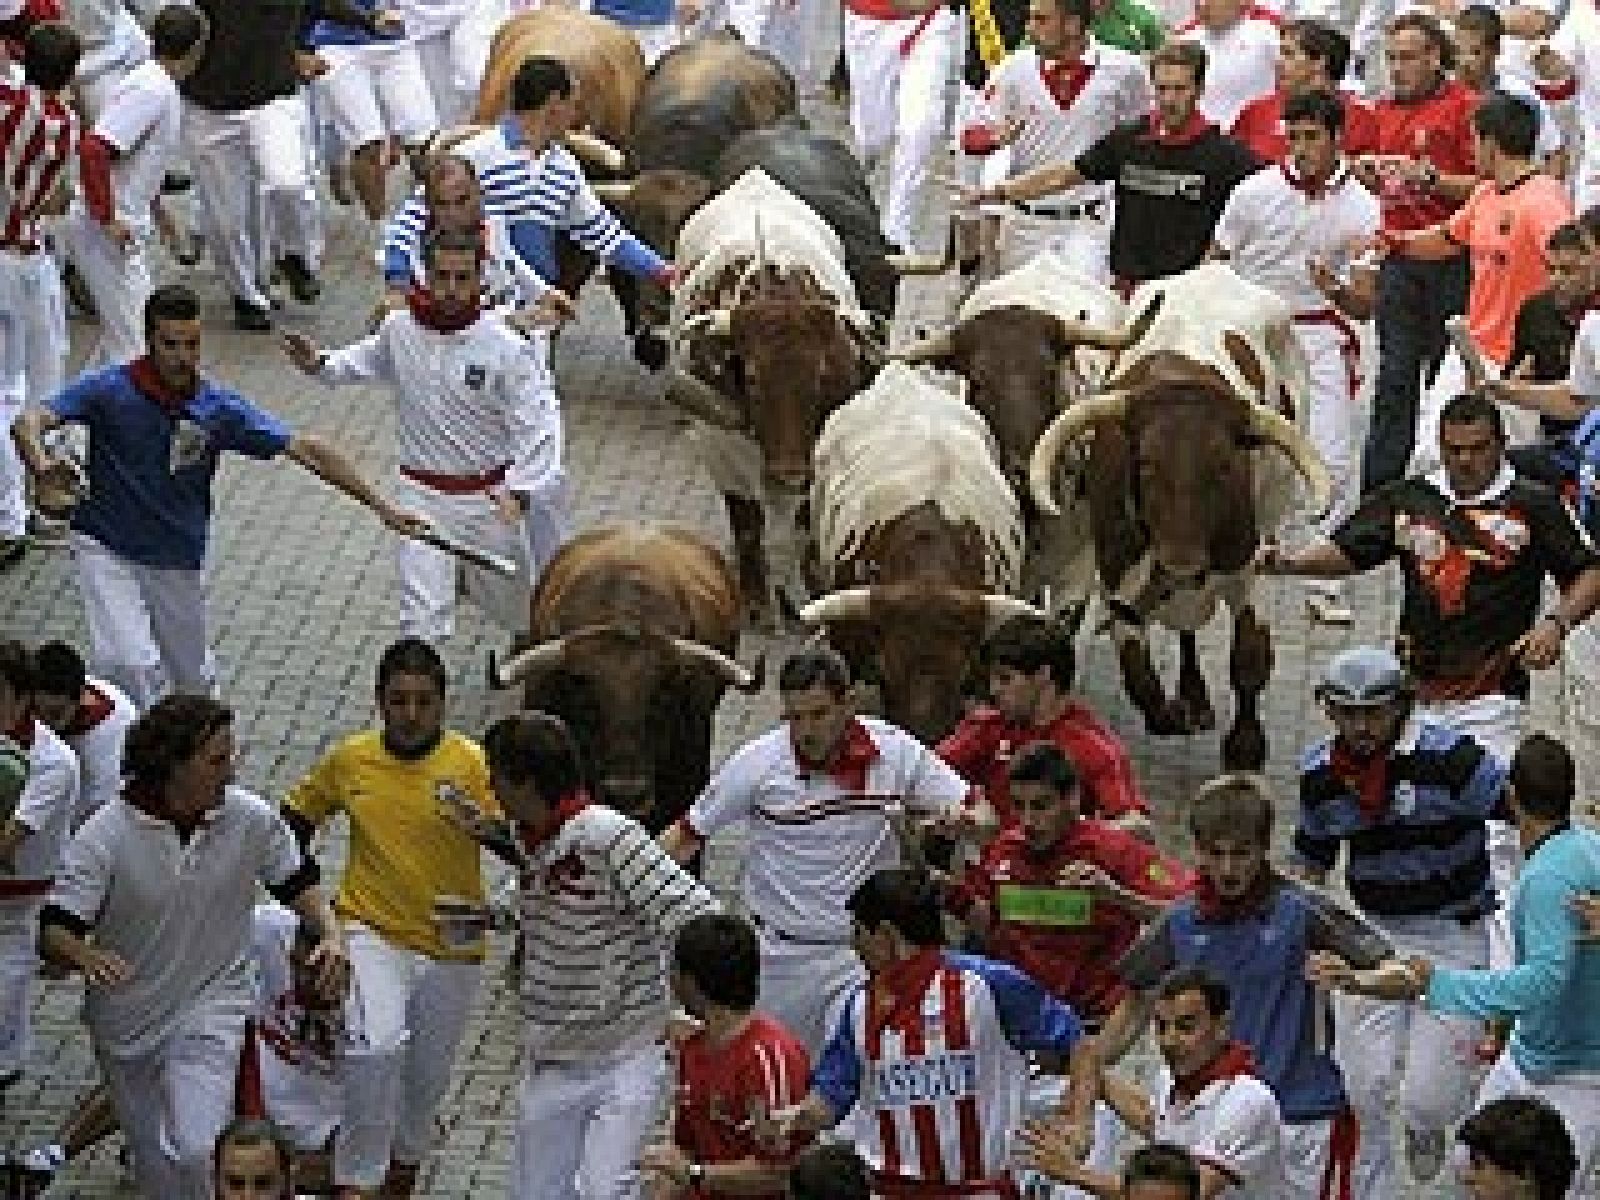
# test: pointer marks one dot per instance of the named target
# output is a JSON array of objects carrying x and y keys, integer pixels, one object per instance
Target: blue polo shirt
[{"x": 150, "y": 474}]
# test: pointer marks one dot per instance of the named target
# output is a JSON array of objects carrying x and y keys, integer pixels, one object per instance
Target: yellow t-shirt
[{"x": 403, "y": 854}]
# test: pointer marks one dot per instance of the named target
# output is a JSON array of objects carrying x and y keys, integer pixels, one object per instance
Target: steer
[
  {"x": 1184, "y": 477},
  {"x": 921, "y": 532},
  {"x": 634, "y": 628},
  {"x": 769, "y": 341}
]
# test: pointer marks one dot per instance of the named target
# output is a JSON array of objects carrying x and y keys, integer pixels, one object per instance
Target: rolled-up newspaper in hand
[
  {"x": 1471, "y": 357},
  {"x": 467, "y": 552}
]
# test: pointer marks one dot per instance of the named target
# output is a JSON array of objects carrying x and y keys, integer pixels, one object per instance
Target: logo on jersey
[
  {"x": 477, "y": 376},
  {"x": 902, "y": 1082}
]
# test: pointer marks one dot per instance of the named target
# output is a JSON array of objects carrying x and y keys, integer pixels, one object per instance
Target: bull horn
[
  {"x": 917, "y": 264},
  {"x": 934, "y": 346},
  {"x": 700, "y": 399},
  {"x": 1063, "y": 431},
  {"x": 444, "y": 141},
  {"x": 735, "y": 674},
  {"x": 1081, "y": 333},
  {"x": 612, "y": 191},
  {"x": 717, "y": 323},
  {"x": 595, "y": 151},
  {"x": 1287, "y": 436},
  {"x": 520, "y": 666},
  {"x": 850, "y": 604},
  {"x": 999, "y": 608}
]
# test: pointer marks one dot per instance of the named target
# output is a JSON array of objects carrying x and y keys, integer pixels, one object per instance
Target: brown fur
[{"x": 602, "y": 55}]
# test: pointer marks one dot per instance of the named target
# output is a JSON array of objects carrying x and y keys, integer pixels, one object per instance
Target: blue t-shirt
[{"x": 150, "y": 474}]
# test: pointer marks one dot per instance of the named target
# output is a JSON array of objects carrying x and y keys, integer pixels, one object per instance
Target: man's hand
[
  {"x": 1324, "y": 278},
  {"x": 1540, "y": 647},
  {"x": 457, "y": 809},
  {"x": 688, "y": 13},
  {"x": 1089, "y": 876},
  {"x": 1587, "y": 906},
  {"x": 1054, "y": 1148},
  {"x": 980, "y": 917},
  {"x": 669, "y": 1162},
  {"x": 309, "y": 66},
  {"x": 330, "y": 965},
  {"x": 1269, "y": 558},
  {"x": 552, "y": 308},
  {"x": 1324, "y": 969},
  {"x": 508, "y": 506},
  {"x": 101, "y": 968},
  {"x": 58, "y": 486},
  {"x": 389, "y": 23},
  {"x": 403, "y": 521},
  {"x": 303, "y": 352},
  {"x": 117, "y": 230}
]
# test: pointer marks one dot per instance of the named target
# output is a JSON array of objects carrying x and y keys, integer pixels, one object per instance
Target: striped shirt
[
  {"x": 547, "y": 191},
  {"x": 38, "y": 135},
  {"x": 601, "y": 904}
]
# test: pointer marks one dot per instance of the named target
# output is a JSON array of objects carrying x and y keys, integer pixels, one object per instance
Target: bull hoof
[
  {"x": 1245, "y": 747},
  {"x": 650, "y": 351}
]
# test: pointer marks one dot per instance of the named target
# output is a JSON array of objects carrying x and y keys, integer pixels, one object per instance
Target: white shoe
[{"x": 1329, "y": 610}]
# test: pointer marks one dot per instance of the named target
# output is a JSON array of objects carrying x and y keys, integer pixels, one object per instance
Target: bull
[
  {"x": 1186, "y": 471},
  {"x": 633, "y": 637},
  {"x": 920, "y": 532}
]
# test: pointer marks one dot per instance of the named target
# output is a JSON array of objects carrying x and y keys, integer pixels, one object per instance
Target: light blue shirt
[{"x": 1554, "y": 990}]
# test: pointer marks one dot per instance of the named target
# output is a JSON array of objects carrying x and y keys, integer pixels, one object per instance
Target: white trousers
[
  {"x": 804, "y": 988},
  {"x": 1586, "y": 180},
  {"x": 1580, "y": 679},
  {"x": 1576, "y": 1099},
  {"x": 404, "y": 1020},
  {"x": 452, "y": 64},
  {"x": 373, "y": 91},
  {"x": 1332, "y": 352},
  {"x": 801, "y": 34},
  {"x": 898, "y": 72},
  {"x": 19, "y": 974},
  {"x": 1084, "y": 242},
  {"x": 1402, "y": 1055},
  {"x": 580, "y": 1126},
  {"x": 1306, "y": 1146},
  {"x": 173, "y": 1102},
  {"x": 33, "y": 351},
  {"x": 119, "y": 281},
  {"x": 245, "y": 162},
  {"x": 429, "y": 577},
  {"x": 147, "y": 625}
]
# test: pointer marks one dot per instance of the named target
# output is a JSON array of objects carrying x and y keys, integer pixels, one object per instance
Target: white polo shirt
[
  {"x": 1234, "y": 1126},
  {"x": 1241, "y": 64},
  {"x": 143, "y": 119},
  {"x": 1273, "y": 227},
  {"x": 299, "y": 1051},
  {"x": 99, "y": 748},
  {"x": 45, "y": 808},
  {"x": 812, "y": 843},
  {"x": 179, "y": 914},
  {"x": 1584, "y": 370}
]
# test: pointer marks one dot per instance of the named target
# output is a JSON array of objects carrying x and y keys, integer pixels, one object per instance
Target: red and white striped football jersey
[{"x": 38, "y": 136}]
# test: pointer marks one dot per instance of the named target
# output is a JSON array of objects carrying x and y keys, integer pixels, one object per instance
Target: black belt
[{"x": 1092, "y": 210}]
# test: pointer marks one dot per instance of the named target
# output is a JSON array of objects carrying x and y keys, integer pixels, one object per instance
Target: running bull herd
[{"x": 1052, "y": 443}]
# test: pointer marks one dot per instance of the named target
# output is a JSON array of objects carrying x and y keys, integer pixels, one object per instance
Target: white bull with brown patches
[{"x": 1197, "y": 443}]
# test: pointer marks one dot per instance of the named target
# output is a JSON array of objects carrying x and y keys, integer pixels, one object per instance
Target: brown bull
[
  {"x": 1172, "y": 489},
  {"x": 634, "y": 629}
]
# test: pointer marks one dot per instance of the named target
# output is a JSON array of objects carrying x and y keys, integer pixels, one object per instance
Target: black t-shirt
[
  {"x": 1170, "y": 194},
  {"x": 1473, "y": 574},
  {"x": 1545, "y": 332}
]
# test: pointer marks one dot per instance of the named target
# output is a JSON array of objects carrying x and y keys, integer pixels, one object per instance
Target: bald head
[{"x": 450, "y": 186}]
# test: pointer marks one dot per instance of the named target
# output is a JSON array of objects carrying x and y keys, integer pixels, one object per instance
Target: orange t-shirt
[{"x": 1504, "y": 231}]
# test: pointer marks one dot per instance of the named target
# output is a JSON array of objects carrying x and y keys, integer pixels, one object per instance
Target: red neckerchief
[
  {"x": 1368, "y": 777},
  {"x": 1209, "y": 905},
  {"x": 1192, "y": 130},
  {"x": 148, "y": 382},
  {"x": 896, "y": 992},
  {"x": 1234, "y": 1060},
  {"x": 534, "y": 834},
  {"x": 1313, "y": 188},
  {"x": 420, "y": 301},
  {"x": 1065, "y": 81},
  {"x": 852, "y": 757},
  {"x": 23, "y": 732},
  {"x": 94, "y": 706}
]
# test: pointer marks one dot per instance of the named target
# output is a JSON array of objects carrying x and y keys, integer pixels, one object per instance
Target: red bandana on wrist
[
  {"x": 426, "y": 313},
  {"x": 1369, "y": 778},
  {"x": 1234, "y": 1061},
  {"x": 852, "y": 757},
  {"x": 896, "y": 992},
  {"x": 147, "y": 380},
  {"x": 1191, "y": 130}
]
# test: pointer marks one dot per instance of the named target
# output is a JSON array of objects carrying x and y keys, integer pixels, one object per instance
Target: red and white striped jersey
[{"x": 38, "y": 136}]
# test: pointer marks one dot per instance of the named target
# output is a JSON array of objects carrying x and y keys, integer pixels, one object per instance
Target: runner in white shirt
[
  {"x": 110, "y": 231},
  {"x": 1049, "y": 101},
  {"x": 113, "y": 45},
  {"x": 1295, "y": 229},
  {"x": 477, "y": 429},
  {"x": 91, "y": 715},
  {"x": 1572, "y": 56},
  {"x": 828, "y": 797},
  {"x": 1241, "y": 45}
]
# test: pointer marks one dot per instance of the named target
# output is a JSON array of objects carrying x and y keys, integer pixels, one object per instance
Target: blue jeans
[{"x": 1414, "y": 300}]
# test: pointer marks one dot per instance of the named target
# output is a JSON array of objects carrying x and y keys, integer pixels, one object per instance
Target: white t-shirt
[
  {"x": 46, "y": 805},
  {"x": 180, "y": 914},
  {"x": 1584, "y": 370},
  {"x": 299, "y": 1050},
  {"x": 1234, "y": 1126},
  {"x": 99, "y": 751},
  {"x": 1241, "y": 64},
  {"x": 812, "y": 843},
  {"x": 1272, "y": 228},
  {"x": 143, "y": 120}
]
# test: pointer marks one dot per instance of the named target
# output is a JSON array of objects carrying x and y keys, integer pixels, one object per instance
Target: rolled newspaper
[
  {"x": 1471, "y": 357},
  {"x": 467, "y": 552}
]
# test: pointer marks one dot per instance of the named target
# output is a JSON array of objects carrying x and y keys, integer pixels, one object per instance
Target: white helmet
[{"x": 1365, "y": 677}]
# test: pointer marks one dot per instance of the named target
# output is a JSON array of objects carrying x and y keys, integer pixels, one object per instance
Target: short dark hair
[
  {"x": 1567, "y": 236},
  {"x": 537, "y": 748},
  {"x": 59, "y": 670},
  {"x": 905, "y": 898},
  {"x": 411, "y": 656},
  {"x": 1545, "y": 778},
  {"x": 815, "y": 666},
  {"x": 1471, "y": 408},
  {"x": 177, "y": 30},
  {"x": 1510, "y": 122},
  {"x": 1317, "y": 105},
  {"x": 1430, "y": 28},
  {"x": 1046, "y": 763},
  {"x": 442, "y": 165},
  {"x": 719, "y": 952},
  {"x": 1483, "y": 21},
  {"x": 16, "y": 667},
  {"x": 1525, "y": 1136},
  {"x": 1229, "y": 806},
  {"x": 50, "y": 54},
  {"x": 537, "y": 79},
  {"x": 1217, "y": 995},
  {"x": 169, "y": 734},
  {"x": 171, "y": 302},
  {"x": 1083, "y": 10},
  {"x": 451, "y": 241},
  {"x": 1026, "y": 643},
  {"x": 1322, "y": 43},
  {"x": 1189, "y": 55},
  {"x": 1589, "y": 222},
  {"x": 830, "y": 1171},
  {"x": 1162, "y": 1162},
  {"x": 256, "y": 1131}
]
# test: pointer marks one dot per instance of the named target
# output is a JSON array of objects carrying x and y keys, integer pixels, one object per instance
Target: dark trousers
[{"x": 1414, "y": 299}]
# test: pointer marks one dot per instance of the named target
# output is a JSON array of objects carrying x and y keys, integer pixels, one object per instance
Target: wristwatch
[{"x": 697, "y": 1174}]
